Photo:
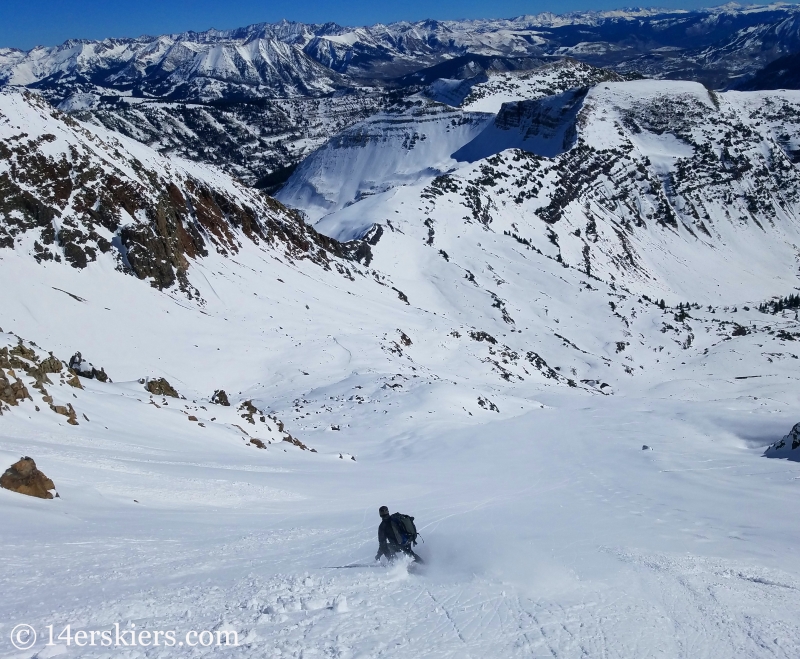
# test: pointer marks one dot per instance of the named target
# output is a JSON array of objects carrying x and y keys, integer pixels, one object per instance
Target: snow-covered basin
[
  {"x": 551, "y": 533},
  {"x": 662, "y": 150}
]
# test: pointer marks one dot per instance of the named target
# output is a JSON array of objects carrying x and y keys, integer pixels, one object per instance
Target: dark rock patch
[
  {"x": 24, "y": 478},
  {"x": 482, "y": 336},
  {"x": 220, "y": 398},
  {"x": 81, "y": 367},
  {"x": 160, "y": 387},
  {"x": 64, "y": 410},
  {"x": 12, "y": 391},
  {"x": 249, "y": 411}
]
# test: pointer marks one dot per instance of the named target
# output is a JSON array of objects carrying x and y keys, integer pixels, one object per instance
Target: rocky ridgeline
[
  {"x": 20, "y": 360},
  {"x": 73, "y": 193},
  {"x": 296, "y": 59},
  {"x": 592, "y": 195},
  {"x": 547, "y": 80},
  {"x": 29, "y": 376},
  {"x": 257, "y": 143}
]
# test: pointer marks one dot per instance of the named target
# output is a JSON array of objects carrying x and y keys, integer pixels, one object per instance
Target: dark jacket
[{"x": 387, "y": 539}]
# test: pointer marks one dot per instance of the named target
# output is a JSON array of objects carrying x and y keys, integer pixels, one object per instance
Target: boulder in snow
[
  {"x": 25, "y": 478},
  {"x": 85, "y": 369},
  {"x": 160, "y": 387},
  {"x": 220, "y": 398}
]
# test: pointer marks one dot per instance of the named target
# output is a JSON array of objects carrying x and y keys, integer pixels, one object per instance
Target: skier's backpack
[{"x": 404, "y": 529}]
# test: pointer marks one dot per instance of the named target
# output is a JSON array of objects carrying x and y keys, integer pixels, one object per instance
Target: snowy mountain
[
  {"x": 79, "y": 194},
  {"x": 420, "y": 136},
  {"x": 638, "y": 182},
  {"x": 257, "y": 100},
  {"x": 550, "y": 311},
  {"x": 446, "y": 220},
  {"x": 470, "y": 365},
  {"x": 257, "y": 142},
  {"x": 260, "y": 142},
  {"x": 190, "y": 66},
  {"x": 286, "y": 59}
]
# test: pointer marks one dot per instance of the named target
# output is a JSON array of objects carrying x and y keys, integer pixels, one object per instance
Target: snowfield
[
  {"x": 547, "y": 532},
  {"x": 572, "y": 393}
]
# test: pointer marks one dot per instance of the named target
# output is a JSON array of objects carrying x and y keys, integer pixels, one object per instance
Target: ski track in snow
[
  {"x": 608, "y": 555},
  {"x": 699, "y": 609}
]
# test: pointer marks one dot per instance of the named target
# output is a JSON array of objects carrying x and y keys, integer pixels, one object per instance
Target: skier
[{"x": 396, "y": 534}]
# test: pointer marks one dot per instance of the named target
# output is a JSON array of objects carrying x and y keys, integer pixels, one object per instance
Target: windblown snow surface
[{"x": 484, "y": 382}]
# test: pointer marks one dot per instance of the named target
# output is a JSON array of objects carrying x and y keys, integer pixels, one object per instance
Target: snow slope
[
  {"x": 547, "y": 528},
  {"x": 552, "y": 532},
  {"x": 388, "y": 149},
  {"x": 469, "y": 369}
]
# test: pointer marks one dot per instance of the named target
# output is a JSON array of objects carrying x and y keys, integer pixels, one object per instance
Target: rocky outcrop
[
  {"x": 21, "y": 358},
  {"x": 24, "y": 358},
  {"x": 296, "y": 442},
  {"x": 160, "y": 387},
  {"x": 24, "y": 478},
  {"x": 787, "y": 447},
  {"x": 220, "y": 398},
  {"x": 65, "y": 410},
  {"x": 87, "y": 370},
  {"x": 250, "y": 411},
  {"x": 13, "y": 390},
  {"x": 146, "y": 214},
  {"x": 544, "y": 126}
]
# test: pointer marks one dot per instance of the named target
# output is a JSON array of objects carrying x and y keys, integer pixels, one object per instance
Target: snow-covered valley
[
  {"x": 545, "y": 313},
  {"x": 547, "y": 527}
]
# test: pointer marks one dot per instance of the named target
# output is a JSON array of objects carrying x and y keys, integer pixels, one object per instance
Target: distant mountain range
[{"x": 719, "y": 47}]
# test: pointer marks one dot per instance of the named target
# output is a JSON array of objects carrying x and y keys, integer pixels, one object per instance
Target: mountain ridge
[
  {"x": 87, "y": 196},
  {"x": 294, "y": 59}
]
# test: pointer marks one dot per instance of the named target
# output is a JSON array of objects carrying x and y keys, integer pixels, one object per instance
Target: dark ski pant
[{"x": 404, "y": 550}]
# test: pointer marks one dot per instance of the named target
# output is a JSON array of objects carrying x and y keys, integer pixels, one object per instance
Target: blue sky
[{"x": 26, "y": 23}]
